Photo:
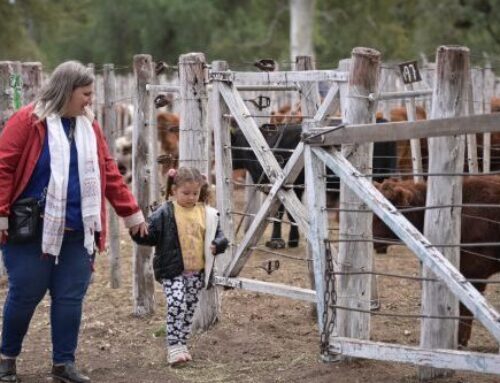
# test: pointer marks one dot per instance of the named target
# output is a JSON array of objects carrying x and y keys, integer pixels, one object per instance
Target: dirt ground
[{"x": 259, "y": 338}]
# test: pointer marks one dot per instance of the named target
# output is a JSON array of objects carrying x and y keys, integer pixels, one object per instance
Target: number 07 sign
[{"x": 409, "y": 72}]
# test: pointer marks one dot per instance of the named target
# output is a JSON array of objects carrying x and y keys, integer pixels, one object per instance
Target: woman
[{"x": 54, "y": 151}]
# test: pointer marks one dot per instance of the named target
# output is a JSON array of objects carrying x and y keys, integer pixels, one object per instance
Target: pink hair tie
[{"x": 172, "y": 172}]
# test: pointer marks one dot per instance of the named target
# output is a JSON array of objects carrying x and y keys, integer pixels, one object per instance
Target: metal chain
[{"x": 330, "y": 301}]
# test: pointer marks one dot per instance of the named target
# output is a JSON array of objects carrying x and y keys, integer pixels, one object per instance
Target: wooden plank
[
  {"x": 269, "y": 207},
  {"x": 446, "y": 155},
  {"x": 260, "y": 88},
  {"x": 430, "y": 256},
  {"x": 278, "y": 78},
  {"x": 262, "y": 152},
  {"x": 268, "y": 288},
  {"x": 223, "y": 168},
  {"x": 416, "y": 150},
  {"x": 475, "y": 102},
  {"x": 449, "y": 359},
  {"x": 329, "y": 105},
  {"x": 395, "y": 131},
  {"x": 489, "y": 92}
]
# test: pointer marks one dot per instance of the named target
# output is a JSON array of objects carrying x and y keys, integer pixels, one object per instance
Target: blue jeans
[{"x": 30, "y": 276}]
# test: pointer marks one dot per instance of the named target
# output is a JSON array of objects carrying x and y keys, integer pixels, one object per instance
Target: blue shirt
[{"x": 40, "y": 180}]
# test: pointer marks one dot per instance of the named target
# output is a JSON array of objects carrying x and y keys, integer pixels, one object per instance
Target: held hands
[
  {"x": 141, "y": 229},
  {"x": 213, "y": 249}
]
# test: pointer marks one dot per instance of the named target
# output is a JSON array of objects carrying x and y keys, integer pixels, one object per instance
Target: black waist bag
[{"x": 24, "y": 221}]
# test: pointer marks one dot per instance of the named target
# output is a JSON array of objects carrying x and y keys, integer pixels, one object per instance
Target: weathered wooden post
[
  {"x": 428, "y": 76},
  {"x": 315, "y": 176},
  {"x": 442, "y": 226},
  {"x": 489, "y": 92},
  {"x": 143, "y": 282},
  {"x": 387, "y": 83},
  {"x": 91, "y": 68},
  {"x": 32, "y": 80},
  {"x": 354, "y": 291},
  {"x": 416, "y": 150},
  {"x": 111, "y": 135},
  {"x": 309, "y": 102},
  {"x": 153, "y": 148},
  {"x": 223, "y": 170},
  {"x": 99, "y": 97},
  {"x": 223, "y": 179},
  {"x": 194, "y": 143},
  {"x": 475, "y": 101},
  {"x": 11, "y": 91}
]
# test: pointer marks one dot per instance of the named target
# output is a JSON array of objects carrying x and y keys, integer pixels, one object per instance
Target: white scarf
[{"x": 90, "y": 184}]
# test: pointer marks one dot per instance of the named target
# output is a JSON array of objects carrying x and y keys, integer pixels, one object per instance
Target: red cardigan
[{"x": 21, "y": 143}]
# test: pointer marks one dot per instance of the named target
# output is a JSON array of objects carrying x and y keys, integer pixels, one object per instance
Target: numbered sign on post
[{"x": 409, "y": 72}]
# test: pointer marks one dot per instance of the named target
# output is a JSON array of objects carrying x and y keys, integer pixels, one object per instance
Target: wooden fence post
[
  {"x": 143, "y": 282},
  {"x": 489, "y": 92},
  {"x": 99, "y": 97},
  {"x": 11, "y": 91},
  {"x": 315, "y": 176},
  {"x": 194, "y": 143},
  {"x": 387, "y": 83},
  {"x": 32, "y": 80},
  {"x": 415, "y": 147},
  {"x": 109, "y": 126},
  {"x": 223, "y": 170},
  {"x": 91, "y": 68},
  {"x": 355, "y": 290},
  {"x": 223, "y": 178},
  {"x": 475, "y": 101},
  {"x": 309, "y": 103},
  {"x": 442, "y": 226}
]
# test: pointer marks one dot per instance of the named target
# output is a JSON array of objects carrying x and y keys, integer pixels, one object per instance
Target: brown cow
[
  {"x": 479, "y": 225},
  {"x": 495, "y": 104},
  {"x": 168, "y": 136},
  {"x": 285, "y": 115}
]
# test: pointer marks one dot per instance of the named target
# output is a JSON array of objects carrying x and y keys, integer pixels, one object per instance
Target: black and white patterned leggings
[{"x": 182, "y": 294}]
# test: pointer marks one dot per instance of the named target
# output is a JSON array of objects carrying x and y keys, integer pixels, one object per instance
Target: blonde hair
[{"x": 55, "y": 95}]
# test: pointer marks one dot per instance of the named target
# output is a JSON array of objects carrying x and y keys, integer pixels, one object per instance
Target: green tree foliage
[
  {"x": 239, "y": 31},
  {"x": 16, "y": 43}
]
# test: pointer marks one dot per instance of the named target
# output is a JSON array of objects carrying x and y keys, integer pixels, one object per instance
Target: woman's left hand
[{"x": 141, "y": 228}]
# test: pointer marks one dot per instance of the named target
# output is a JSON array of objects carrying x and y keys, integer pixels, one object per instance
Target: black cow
[{"x": 288, "y": 136}]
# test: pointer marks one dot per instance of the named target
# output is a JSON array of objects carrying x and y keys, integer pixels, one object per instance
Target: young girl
[{"x": 186, "y": 235}]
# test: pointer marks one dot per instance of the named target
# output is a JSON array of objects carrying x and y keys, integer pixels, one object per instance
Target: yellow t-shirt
[{"x": 191, "y": 229}]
